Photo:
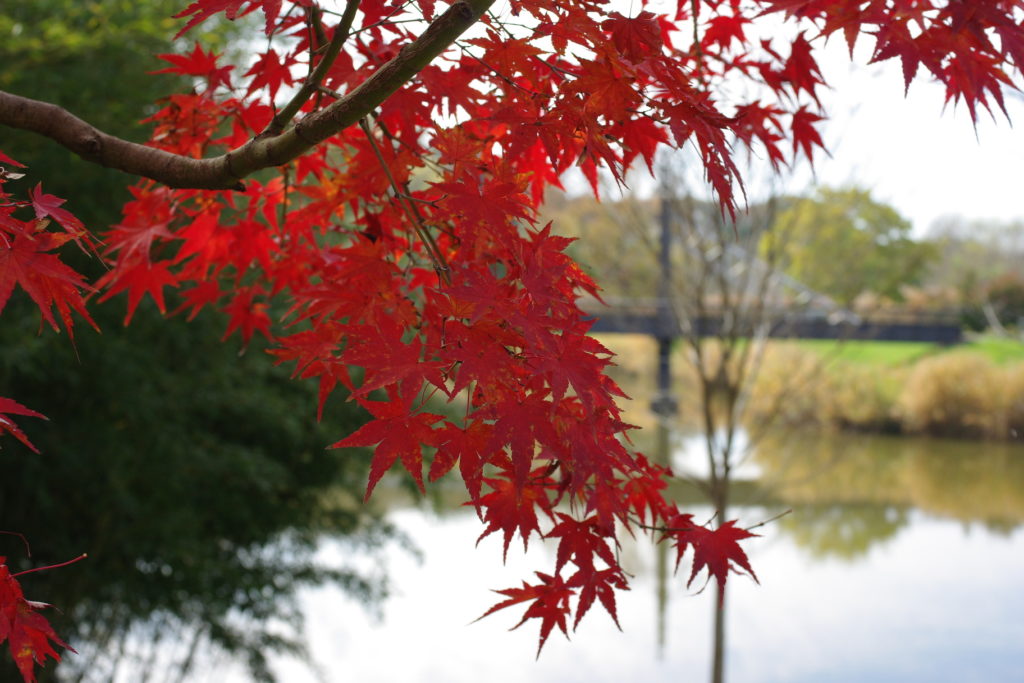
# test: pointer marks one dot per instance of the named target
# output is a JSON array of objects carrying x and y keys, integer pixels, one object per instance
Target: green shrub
[
  {"x": 791, "y": 388},
  {"x": 863, "y": 398},
  {"x": 955, "y": 394},
  {"x": 1012, "y": 381}
]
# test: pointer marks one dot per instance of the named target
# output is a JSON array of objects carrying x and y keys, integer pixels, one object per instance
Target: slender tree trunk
[
  {"x": 718, "y": 655},
  {"x": 662, "y": 456},
  {"x": 721, "y": 498}
]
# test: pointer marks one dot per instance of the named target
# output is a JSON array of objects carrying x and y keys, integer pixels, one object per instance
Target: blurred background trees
[
  {"x": 980, "y": 265},
  {"x": 194, "y": 475},
  {"x": 53, "y": 50},
  {"x": 842, "y": 242}
]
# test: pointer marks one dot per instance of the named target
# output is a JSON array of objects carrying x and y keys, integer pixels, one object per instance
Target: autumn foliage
[
  {"x": 26, "y": 631},
  {"x": 367, "y": 202}
]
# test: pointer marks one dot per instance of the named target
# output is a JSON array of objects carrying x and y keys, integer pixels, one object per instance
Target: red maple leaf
[
  {"x": 245, "y": 314},
  {"x": 7, "y": 160},
  {"x": 390, "y": 360},
  {"x": 468, "y": 447},
  {"x": 581, "y": 542},
  {"x": 198, "y": 63},
  {"x": 48, "y": 206},
  {"x": 270, "y": 71},
  {"x": 805, "y": 135},
  {"x": 10, "y": 407},
  {"x": 201, "y": 10},
  {"x": 723, "y": 30},
  {"x": 397, "y": 433},
  {"x": 196, "y": 298},
  {"x": 550, "y": 604},
  {"x": 643, "y": 492},
  {"x": 508, "y": 508},
  {"x": 28, "y": 634},
  {"x": 801, "y": 69},
  {"x": 636, "y": 38},
  {"x": 601, "y": 585},
  {"x": 44, "y": 277},
  {"x": 139, "y": 278},
  {"x": 719, "y": 551},
  {"x": 641, "y": 137}
]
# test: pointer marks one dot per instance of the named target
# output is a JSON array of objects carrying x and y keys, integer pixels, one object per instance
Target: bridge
[
  {"x": 760, "y": 300},
  {"x": 656, "y": 318}
]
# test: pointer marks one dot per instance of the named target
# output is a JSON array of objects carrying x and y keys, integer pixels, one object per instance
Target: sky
[
  {"x": 925, "y": 159},
  {"x": 915, "y": 153}
]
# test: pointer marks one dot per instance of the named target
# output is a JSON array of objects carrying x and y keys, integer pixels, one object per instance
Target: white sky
[
  {"x": 925, "y": 159},
  {"x": 922, "y": 159}
]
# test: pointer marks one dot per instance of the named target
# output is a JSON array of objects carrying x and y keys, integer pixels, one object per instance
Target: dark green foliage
[
  {"x": 53, "y": 50},
  {"x": 196, "y": 478}
]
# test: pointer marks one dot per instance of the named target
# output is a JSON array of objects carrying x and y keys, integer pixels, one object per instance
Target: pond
[{"x": 902, "y": 559}]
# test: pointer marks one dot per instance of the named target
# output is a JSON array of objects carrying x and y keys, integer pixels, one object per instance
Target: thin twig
[
  {"x": 28, "y": 549},
  {"x": 770, "y": 519},
  {"x": 433, "y": 251},
  {"x": 416, "y": 152},
  {"x": 507, "y": 79},
  {"x": 310, "y": 86},
  {"x": 316, "y": 26},
  {"x": 698, "y": 52}
]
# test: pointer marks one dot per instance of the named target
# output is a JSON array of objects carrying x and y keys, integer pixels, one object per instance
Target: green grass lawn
[
  {"x": 893, "y": 354},
  {"x": 997, "y": 349}
]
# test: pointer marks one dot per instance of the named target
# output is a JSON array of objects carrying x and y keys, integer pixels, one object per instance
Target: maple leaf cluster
[
  {"x": 27, "y": 632},
  {"x": 31, "y": 230},
  {"x": 403, "y": 253}
]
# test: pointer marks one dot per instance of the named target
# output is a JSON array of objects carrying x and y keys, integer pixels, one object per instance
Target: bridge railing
[{"x": 654, "y": 317}]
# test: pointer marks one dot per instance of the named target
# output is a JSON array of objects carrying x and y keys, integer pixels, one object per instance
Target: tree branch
[
  {"x": 316, "y": 77},
  {"x": 226, "y": 171}
]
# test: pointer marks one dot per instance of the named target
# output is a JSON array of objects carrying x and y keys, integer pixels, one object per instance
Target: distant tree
[
  {"x": 844, "y": 242},
  {"x": 982, "y": 262}
]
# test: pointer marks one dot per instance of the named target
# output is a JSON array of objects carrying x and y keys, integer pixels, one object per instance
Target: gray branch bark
[{"x": 226, "y": 171}]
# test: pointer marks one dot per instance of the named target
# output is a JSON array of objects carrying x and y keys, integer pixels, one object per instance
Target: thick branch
[{"x": 225, "y": 171}]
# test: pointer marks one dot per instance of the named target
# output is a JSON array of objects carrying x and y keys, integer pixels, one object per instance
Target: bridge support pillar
[{"x": 664, "y": 403}]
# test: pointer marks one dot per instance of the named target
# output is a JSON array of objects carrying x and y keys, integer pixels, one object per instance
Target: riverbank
[{"x": 973, "y": 390}]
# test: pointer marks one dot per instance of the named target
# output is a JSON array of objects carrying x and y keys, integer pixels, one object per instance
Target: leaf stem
[
  {"x": 770, "y": 519},
  {"x": 52, "y": 566},
  {"x": 28, "y": 549}
]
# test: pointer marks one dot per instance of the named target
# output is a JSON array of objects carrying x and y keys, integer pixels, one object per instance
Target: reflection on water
[
  {"x": 201, "y": 503},
  {"x": 225, "y": 550},
  {"x": 845, "y": 531},
  {"x": 878, "y": 479},
  {"x": 883, "y": 545}
]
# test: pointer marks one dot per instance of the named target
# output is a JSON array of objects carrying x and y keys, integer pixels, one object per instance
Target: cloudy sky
[
  {"x": 914, "y": 152},
  {"x": 925, "y": 159}
]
